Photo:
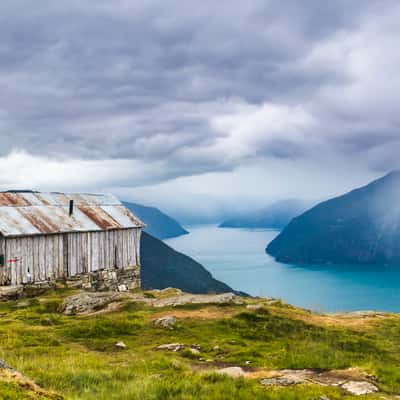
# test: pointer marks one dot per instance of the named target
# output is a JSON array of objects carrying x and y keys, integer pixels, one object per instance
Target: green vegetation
[{"x": 76, "y": 356}]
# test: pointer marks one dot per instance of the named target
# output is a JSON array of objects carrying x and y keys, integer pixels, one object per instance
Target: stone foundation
[{"x": 118, "y": 280}]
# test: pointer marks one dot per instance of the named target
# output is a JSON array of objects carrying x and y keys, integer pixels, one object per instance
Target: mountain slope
[
  {"x": 275, "y": 216},
  {"x": 158, "y": 224},
  {"x": 164, "y": 267},
  {"x": 362, "y": 226}
]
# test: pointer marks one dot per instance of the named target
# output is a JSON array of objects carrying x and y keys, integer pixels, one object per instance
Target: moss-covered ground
[{"x": 75, "y": 356}]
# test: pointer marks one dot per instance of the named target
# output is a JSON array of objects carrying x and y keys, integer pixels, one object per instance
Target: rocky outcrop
[
  {"x": 86, "y": 303},
  {"x": 186, "y": 298},
  {"x": 89, "y": 302},
  {"x": 353, "y": 381}
]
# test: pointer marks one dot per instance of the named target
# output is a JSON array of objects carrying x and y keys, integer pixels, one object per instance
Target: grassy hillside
[{"x": 76, "y": 356}]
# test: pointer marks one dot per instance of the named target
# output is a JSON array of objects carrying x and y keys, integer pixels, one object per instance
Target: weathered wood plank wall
[{"x": 43, "y": 257}]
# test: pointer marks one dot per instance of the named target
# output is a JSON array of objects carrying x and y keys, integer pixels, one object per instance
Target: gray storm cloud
[{"x": 142, "y": 93}]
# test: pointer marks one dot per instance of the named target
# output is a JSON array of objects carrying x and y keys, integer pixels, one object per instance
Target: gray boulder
[
  {"x": 171, "y": 347},
  {"x": 86, "y": 303},
  {"x": 168, "y": 321},
  {"x": 359, "y": 388}
]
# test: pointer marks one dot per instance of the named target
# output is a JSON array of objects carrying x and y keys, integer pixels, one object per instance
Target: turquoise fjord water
[{"x": 237, "y": 257}]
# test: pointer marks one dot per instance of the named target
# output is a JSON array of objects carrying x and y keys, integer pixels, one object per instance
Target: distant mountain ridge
[
  {"x": 158, "y": 224},
  {"x": 164, "y": 267},
  {"x": 362, "y": 226},
  {"x": 161, "y": 265},
  {"x": 275, "y": 216}
]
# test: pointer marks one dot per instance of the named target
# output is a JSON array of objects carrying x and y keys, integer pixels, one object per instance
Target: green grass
[{"x": 76, "y": 356}]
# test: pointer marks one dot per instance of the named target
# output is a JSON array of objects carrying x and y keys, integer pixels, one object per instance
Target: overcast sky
[{"x": 199, "y": 106}]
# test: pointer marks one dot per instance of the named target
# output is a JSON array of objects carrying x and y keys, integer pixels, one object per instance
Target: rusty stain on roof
[
  {"x": 13, "y": 199},
  {"x": 33, "y": 213},
  {"x": 100, "y": 218},
  {"x": 39, "y": 220}
]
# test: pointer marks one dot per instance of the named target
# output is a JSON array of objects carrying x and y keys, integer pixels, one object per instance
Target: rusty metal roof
[{"x": 35, "y": 213}]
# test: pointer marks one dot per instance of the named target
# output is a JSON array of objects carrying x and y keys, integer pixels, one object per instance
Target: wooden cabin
[{"x": 46, "y": 236}]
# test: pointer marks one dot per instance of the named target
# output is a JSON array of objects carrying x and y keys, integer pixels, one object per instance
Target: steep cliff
[{"x": 362, "y": 226}]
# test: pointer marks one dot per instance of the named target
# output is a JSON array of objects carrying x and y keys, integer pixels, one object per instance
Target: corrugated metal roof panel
[
  {"x": 31, "y": 213},
  {"x": 102, "y": 219},
  {"x": 47, "y": 199},
  {"x": 32, "y": 199},
  {"x": 12, "y": 223},
  {"x": 118, "y": 214},
  {"x": 62, "y": 199},
  {"x": 81, "y": 221},
  {"x": 12, "y": 199},
  {"x": 99, "y": 200}
]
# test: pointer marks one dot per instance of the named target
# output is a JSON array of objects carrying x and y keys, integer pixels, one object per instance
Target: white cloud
[
  {"x": 22, "y": 170},
  {"x": 251, "y": 130}
]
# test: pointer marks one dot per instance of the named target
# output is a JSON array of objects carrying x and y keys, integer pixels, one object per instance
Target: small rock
[
  {"x": 194, "y": 351},
  {"x": 196, "y": 346},
  {"x": 216, "y": 348},
  {"x": 11, "y": 292},
  {"x": 86, "y": 285},
  {"x": 248, "y": 362},
  {"x": 165, "y": 322},
  {"x": 23, "y": 303},
  {"x": 122, "y": 288},
  {"x": 359, "y": 388},
  {"x": 234, "y": 372},
  {"x": 171, "y": 347},
  {"x": 324, "y": 398},
  {"x": 120, "y": 345},
  {"x": 4, "y": 365},
  {"x": 254, "y": 306}
]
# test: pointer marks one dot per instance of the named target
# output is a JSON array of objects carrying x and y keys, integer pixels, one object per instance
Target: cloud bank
[{"x": 125, "y": 95}]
